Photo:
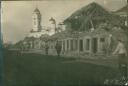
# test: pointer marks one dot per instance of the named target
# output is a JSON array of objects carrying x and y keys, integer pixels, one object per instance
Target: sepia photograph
[{"x": 64, "y": 43}]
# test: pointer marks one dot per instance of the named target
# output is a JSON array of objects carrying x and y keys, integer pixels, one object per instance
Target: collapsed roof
[{"x": 94, "y": 14}]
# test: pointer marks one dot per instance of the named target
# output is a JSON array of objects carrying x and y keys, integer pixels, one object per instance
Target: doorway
[
  {"x": 81, "y": 45},
  {"x": 94, "y": 45}
]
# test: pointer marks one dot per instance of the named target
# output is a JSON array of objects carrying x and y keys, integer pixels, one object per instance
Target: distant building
[
  {"x": 34, "y": 39},
  {"x": 37, "y": 29}
]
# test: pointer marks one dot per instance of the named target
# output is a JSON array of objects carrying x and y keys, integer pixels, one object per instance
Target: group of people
[{"x": 57, "y": 47}]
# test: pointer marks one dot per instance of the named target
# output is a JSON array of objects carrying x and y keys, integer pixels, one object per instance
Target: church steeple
[
  {"x": 36, "y": 20},
  {"x": 36, "y": 10}
]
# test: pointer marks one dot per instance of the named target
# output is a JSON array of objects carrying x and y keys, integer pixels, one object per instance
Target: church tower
[{"x": 36, "y": 21}]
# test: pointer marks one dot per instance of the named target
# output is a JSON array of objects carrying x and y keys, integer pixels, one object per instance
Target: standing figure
[
  {"x": 58, "y": 48},
  {"x": 110, "y": 44},
  {"x": 46, "y": 49},
  {"x": 122, "y": 57}
]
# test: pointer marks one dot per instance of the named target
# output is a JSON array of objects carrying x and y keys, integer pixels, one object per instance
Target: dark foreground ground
[{"x": 41, "y": 70}]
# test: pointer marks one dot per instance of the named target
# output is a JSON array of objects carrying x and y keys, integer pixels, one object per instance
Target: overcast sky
[{"x": 17, "y": 15}]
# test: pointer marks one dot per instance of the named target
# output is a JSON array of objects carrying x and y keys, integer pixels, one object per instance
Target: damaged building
[{"x": 91, "y": 30}]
